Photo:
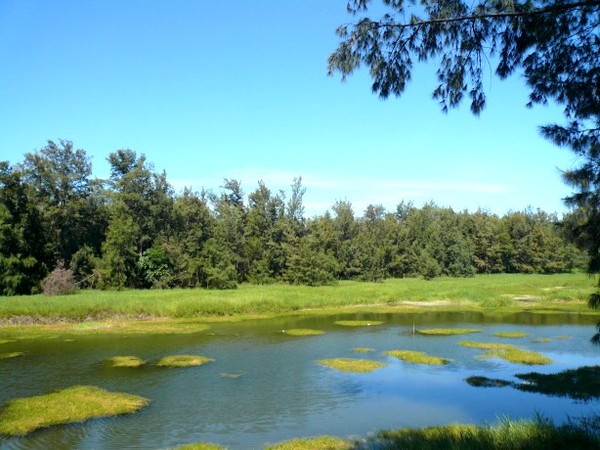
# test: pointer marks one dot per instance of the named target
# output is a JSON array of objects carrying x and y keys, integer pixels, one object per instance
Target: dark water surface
[{"x": 266, "y": 387}]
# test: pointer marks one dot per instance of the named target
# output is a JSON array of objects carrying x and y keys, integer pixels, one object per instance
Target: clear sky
[{"x": 239, "y": 89}]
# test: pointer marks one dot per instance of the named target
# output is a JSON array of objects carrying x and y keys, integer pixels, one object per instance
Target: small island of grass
[
  {"x": 76, "y": 404},
  {"x": 508, "y": 352},
  {"x": 539, "y": 340},
  {"x": 317, "y": 443},
  {"x": 447, "y": 331},
  {"x": 125, "y": 361},
  {"x": 183, "y": 361},
  {"x": 352, "y": 365},
  {"x": 511, "y": 334},
  {"x": 417, "y": 357},
  {"x": 201, "y": 446},
  {"x": 303, "y": 332},
  {"x": 10, "y": 355},
  {"x": 358, "y": 323},
  {"x": 363, "y": 349}
]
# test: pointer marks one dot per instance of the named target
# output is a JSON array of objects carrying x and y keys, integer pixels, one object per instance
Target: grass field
[{"x": 563, "y": 292}]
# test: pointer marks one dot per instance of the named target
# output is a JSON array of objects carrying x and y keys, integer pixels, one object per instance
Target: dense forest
[{"x": 134, "y": 231}]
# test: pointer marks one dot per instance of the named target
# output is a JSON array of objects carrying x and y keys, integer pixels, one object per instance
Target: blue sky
[{"x": 239, "y": 89}]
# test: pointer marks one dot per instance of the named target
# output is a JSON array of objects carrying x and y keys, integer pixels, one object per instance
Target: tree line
[{"x": 133, "y": 231}]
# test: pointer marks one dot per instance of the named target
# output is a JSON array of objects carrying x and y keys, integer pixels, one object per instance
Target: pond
[{"x": 266, "y": 386}]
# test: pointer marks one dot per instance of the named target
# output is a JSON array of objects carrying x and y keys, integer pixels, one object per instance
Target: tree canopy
[{"x": 553, "y": 44}]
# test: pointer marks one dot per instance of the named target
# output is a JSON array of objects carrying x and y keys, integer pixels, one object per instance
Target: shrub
[{"x": 60, "y": 281}]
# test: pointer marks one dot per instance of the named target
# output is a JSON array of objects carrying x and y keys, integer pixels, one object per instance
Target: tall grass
[{"x": 555, "y": 292}]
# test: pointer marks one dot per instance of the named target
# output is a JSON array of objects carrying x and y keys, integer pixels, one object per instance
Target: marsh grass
[
  {"x": 508, "y": 352},
  {"x": 447, "y": 331},
  {"x": 183, "y": 361},
  {"x": 125, "y": 361},
  {"x": 417, "y": 357},
  {"x": 352, "y": 365},
  {"x": 11, "y": 355},
  {"x": 482, "y": 291},
  {"x": 358, "y": 323},
  {"x": 363, "y": 349},
  {"x": 563, "y": 337},
  {"x": 201, "y": 446},
  {"x": 539, "y": 434},
  {"x": 303, "y": 332},
  {"x": 6, "y": 341},
  {"x": 76, "y": 404},
  {"x": 511, "y": 334},
  {"x": 540, "y": 340},
  {"x": 317, "y": 443}
]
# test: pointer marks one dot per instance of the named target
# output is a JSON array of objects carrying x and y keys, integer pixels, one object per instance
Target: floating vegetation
[
  {"x": 201, "y": 446},
  {"x": 352, "y": 365},
  {"x": 563, "y": 337},
  {"x": 11, "y": 355},
  {"x": 479, "y": 381},
  {"x": 183, "y": 361},
  {"x": 125, "y": 361},
  {"x": 538, "y": 340},
  {"x": 508, "y": 352},
  {"x": 363, "y": 349},
  {"x": 6, "y": 341},
  {"x": 447, "y": 331},
  {"x": 358, "y": 323},
  {"x": 76, "y": 404},
  {"x": 303, "y": 332},
  {"x": 231, "y": 376},
  {"x": 317, "y": 443},
  {"x": 511, "y": 334},
  {"x": 417, "y": 357}
]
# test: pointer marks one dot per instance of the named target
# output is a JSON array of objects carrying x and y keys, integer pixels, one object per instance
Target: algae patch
[
  {"x": 317, "y": 443},
  {"x": 76, "y": 404},
  {"x": 511, "y": 334},
  {"x": 363, "y": 349},
  {"x": 352, "y": 365},
  {"x": 183, "y": 361},
  {"x": 417, "y": 357}
]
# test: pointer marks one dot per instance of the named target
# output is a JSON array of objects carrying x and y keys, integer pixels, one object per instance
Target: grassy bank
[{"x": 564, "y": 292}]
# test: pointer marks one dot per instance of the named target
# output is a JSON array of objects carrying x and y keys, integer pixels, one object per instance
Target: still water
[{"x": 265, "y": 387}]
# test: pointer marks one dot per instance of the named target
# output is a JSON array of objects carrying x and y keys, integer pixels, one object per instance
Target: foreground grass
[
  {"x": 562, "y": 292},
  {"x": 508, "y": 352},
  {"x": 351, "y": 364},
  {"x": 417, "y": 357},
  {"x": 183, "y": 361},
  {"x": 317, "y": 443},
  {"x": 76, "y": 404}
]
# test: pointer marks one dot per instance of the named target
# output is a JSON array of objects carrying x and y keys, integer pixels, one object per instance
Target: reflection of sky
[{"x": 282, "y": 392}]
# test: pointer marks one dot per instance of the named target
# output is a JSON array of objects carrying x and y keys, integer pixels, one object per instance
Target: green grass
[
  {"x": 483, "y": 291},
  {"x": 10, "y": 355},
  {"x": 417, "y": 357},
  {"x": 511, "y": 334},
  {"x": 125, "y": 361},
  {"x": 540, "y": 340},
  {"x": 508, "y": 352},
  {"x": 303, "y": 332},
  {"x": 6, "y": 341},
  {"x": 201, "y": 446},
  {"x": 539, "y": 434},
  {"x": 351, "y": 364},
  {"x": 183, "y": 361},
  {"x": 76, "y": 404},
  {"x": 363, "y": 349},
  {"x": 358, "y": 323},
  {"x": 447, "y": 331},
  {"x": 317, "y": 443}
]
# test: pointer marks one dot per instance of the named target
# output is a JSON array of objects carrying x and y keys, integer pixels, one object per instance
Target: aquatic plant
[
  {"x": 508, "y": 352},
  {"x": 416, "y": 357},
  {"x": 511, "y": 334},
  {"x": 317, "y": 443},
  {"x": 303, "y": 332},
  {"x": 183, "y": 361},
  {"x": 125, "y": 361},
  {"x": 352, "y": 365},
  {"x": 363, "y": 349},
  {"x": 358, "y": 323},
  {"x": 446, "y": 331},
  {"x": 10, "y": 355},
  {"x": 76, "y": 404},
  {"x": 539, "y": 340}
]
